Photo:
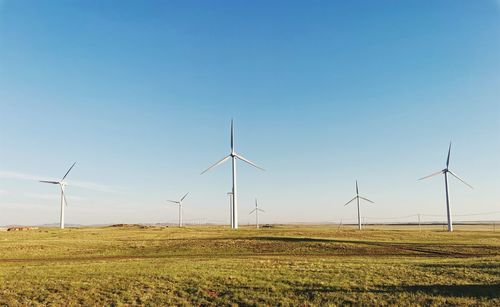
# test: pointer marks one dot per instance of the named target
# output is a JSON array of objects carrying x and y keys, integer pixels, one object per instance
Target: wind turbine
[
  {"x": 357, "y": 198},
  {"x": 62, "y": 184},
  {"x": 179, "y": 202},
  {"x": 233, "y": 156},
  {"x": 256, "y": 210},
  {"x": 445, "y": 172}
]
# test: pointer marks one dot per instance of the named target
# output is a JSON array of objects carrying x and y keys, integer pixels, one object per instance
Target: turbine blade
[
  {"x": 367, "y": 200},
  {"x": 216, "y": 164},
  {"x": 173, "y": 201},
  {"x": 351, "y": 201},
  {"x": 68, "y": 171},
  {"x": 252, "y": 211},
  {"x": 53, "y": 182},
  {"x": 433, "y": 174},
  {"x": 261, "y": 210},
  {"x": 357, "y": 191},
  {"x": 184, "y": 196},
  {"x": 456, "y": 176},
  {"x": 249, "y": 162},
  {"x": 448, "y": 158}
]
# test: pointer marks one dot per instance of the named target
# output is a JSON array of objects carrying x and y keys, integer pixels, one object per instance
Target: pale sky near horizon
[{"x": 141, "y": 94}]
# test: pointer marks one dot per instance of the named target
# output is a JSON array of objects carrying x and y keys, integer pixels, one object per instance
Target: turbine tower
[
  {"x": 447, "y": 171},
  {"x": 230, "y": 208},
  {"x": 256, "y": 210},
  {"x": 233, "y": 156},
  {"x": 357, "y": 198},
  {"x": 62, "y": 184},
  {"x": 179, "y": 202}
]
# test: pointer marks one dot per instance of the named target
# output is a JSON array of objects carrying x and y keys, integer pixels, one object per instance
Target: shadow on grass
[
  {"x": 428, "y": 249},
  {"x": 481, "y": 266},
  {"x": 485, "y": 291},
  {"x": 477, "y": 291}
]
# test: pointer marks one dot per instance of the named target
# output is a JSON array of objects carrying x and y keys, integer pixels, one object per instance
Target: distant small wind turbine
[
  {"x": 357, "y": 197},
  {"x": 233, "y": 156},
  {"x": 179, "y": 202},
  {"x": 445, "y": 172},
  {"x": 256, "y": 210},
  {"x": 62, "y": 184}
]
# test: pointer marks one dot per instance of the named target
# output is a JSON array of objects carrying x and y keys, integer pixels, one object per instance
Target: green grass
[{"x": 285, "y": 265}]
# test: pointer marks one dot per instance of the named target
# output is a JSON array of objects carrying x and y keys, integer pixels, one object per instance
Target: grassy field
[{"x": 284, "y": 265}]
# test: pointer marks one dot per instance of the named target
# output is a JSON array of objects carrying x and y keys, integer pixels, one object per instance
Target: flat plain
[{"x": 283, "y": 265}]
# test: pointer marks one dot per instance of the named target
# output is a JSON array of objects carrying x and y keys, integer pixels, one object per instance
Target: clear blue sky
[{"x": 141, "y": 94}]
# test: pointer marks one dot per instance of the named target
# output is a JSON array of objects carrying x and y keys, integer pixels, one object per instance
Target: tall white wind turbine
[
  {"x": 357, "y": 198},
  {"x": 62, "y": 184},
  {"x": 445, "y": 172},
  {"x": 256, "y": 210},
  {"x": 179, "y": 202},
  {"x": 233, "y": 156}
]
